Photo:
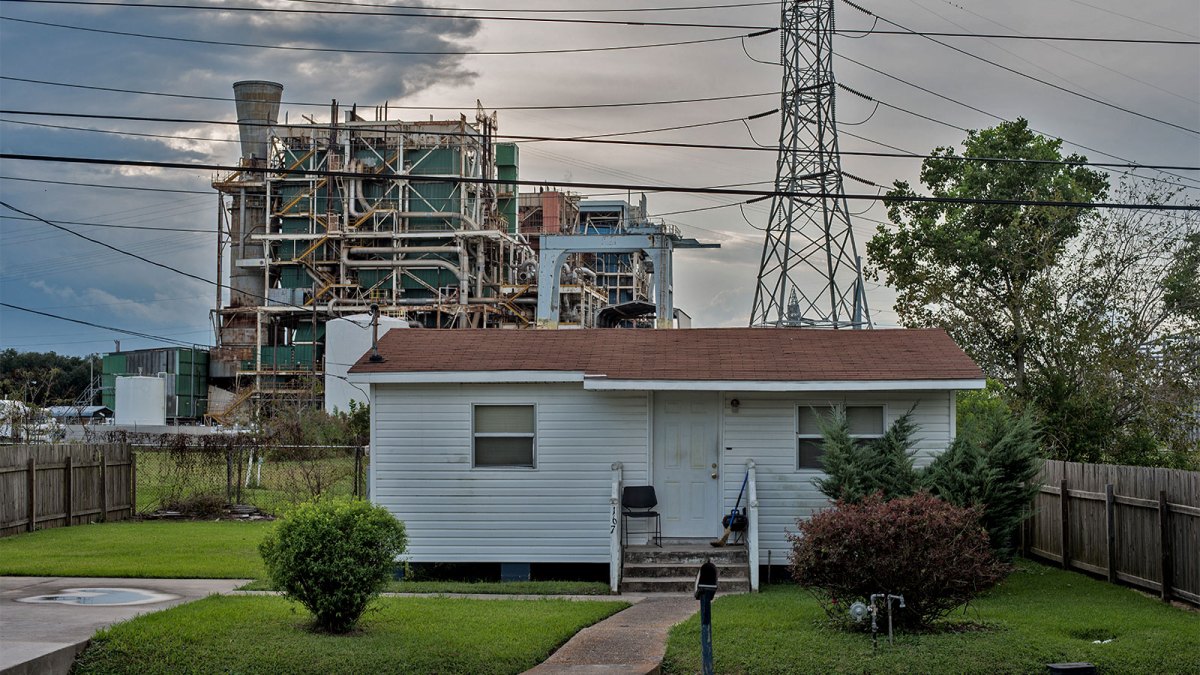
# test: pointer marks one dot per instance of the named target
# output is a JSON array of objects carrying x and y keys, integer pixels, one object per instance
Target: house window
[
  {"x": 504, "y": 435},
  {"x": 865, "y": 422}
]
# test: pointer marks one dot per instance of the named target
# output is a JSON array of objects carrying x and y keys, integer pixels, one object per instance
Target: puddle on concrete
[{"x": 108, "y": 597}]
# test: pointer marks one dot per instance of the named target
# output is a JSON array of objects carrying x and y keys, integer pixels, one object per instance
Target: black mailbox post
[{"x": 706, "y": 588}]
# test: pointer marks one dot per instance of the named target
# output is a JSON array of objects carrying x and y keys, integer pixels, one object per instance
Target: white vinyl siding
[
  {"x": 505, "y": 435},
  {"x": 764, "y": 428},
  {"x": 423, "y": 469},
  {"x": 457, "y": 512}
]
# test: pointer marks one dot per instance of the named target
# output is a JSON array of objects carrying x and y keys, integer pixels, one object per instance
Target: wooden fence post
[
  {"x": 68, "y": 490},
  {"x": 132, "y": 483},
  {"x": 1065, "y": 509},
  {"x": 32, "y": 494},
  {"x": 1110, "y": 530},
  {"x": 1164, "y": 536},
  {"x": 103, "y": 486}
]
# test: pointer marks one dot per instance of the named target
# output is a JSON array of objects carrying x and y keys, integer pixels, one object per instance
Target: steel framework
[{"x": 810, "y": 273}]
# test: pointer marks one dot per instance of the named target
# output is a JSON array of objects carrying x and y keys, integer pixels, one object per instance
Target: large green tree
[
  {"x": 974, "y": 268},
  {"x": 44, "y": 379},
  {"x": 1092, "y": 319}
]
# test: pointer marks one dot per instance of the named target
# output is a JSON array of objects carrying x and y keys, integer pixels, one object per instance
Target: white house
[{"x": 511, "y": 446}]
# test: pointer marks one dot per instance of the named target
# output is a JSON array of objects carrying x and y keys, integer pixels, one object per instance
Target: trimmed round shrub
[
  {"x": 933, "y": 553},
  {"x": 333, "y": 556}
]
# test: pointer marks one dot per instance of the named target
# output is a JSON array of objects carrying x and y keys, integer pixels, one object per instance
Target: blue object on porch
[{"x": 514, "y": 571}]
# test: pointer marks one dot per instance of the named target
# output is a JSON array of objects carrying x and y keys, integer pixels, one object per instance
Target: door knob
[{"x": 715, "y": 474}]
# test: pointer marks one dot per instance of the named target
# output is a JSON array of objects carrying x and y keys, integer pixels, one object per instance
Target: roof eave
[{"x": 602, "y": 383}]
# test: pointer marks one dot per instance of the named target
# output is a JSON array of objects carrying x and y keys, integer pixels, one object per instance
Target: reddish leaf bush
[{"x": 933, "y": 553}]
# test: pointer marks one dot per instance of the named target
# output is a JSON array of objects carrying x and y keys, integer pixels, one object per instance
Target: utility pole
[{"x": 810, "y": 274}]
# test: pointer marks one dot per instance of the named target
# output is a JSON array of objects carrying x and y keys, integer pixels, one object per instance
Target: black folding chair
[{"x": 638, "y": 501}]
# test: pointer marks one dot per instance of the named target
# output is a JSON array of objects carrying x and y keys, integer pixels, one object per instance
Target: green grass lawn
[
  {"x": 203, "y": 550},
  {"x": 223, "y": 634},
  {"x": 1039, "y": 615},
  {"x": 493, "y": 587},
  {"x": 163, "y": 549}
]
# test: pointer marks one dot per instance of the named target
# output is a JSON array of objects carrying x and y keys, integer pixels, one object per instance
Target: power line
[
  {"x": 109, "y": 187},
  {"x": 992, "y": 115},
  {"x": 100, "y": 326},
  {"x": 1106, "y": 166},
  {"x": 1128, "y": 164},
  {"x": 109, "y": 246},
  {"x": 1006, "y": 36},
  {"x": 1027, "y": 76},
  {"x": 527, "y": 10},
  {"x": 325, "y": 104},
  {"x": 425, "y": 14},
  {"x": 119, "y": 227},
  {"x": 1072, "y": 54},
  {"x": 1131, "y": 18},
  {"x": 123, "y": 133},
  {"x": 387, "y": 52},
  {"x": 400, "y": 14},
  {"x": 603, "y": 186},
  {"x": 612, "y": 141}
]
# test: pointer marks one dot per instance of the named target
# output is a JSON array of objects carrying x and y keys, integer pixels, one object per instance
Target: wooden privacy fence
[
  {"x": 1137, "y": 525},
  {"x": 44, "y": 486}
]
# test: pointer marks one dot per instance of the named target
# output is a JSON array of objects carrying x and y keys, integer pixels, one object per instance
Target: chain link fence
[{"x": 206, "y": 475}]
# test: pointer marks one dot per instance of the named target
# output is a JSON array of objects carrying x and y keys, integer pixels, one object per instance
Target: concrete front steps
[{"x": 673, "y": 568}]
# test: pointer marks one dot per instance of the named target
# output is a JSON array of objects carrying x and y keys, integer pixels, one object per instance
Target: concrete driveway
[{"x": 45, "y": 637}]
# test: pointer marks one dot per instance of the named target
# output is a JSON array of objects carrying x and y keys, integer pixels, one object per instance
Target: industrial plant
[{"x": 415, "y": 224}]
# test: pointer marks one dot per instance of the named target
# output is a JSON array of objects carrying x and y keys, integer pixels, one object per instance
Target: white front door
[{"x": 686, "y": 459}]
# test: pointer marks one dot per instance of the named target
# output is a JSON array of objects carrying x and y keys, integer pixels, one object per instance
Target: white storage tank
[
  {"x": 346, "y": 340},
  {"x": 141, "y": 400}
]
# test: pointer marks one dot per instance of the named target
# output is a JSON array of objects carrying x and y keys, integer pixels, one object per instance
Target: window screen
[
  {"x": 864, "y": 421},
  {"x": 504, "y": 435}
]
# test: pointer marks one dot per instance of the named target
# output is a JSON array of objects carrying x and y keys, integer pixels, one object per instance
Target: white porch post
[
  {"x": 614, "y": 531},
  {"x": 752, "y": 525}
]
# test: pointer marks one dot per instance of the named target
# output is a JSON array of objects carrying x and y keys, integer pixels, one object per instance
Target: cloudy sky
[{"x": 171, "y": 217}]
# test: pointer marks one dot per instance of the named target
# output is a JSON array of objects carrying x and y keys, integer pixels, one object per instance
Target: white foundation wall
[
  {"x": 557, "y": 512},
  {"x": 763, "y": 428}
]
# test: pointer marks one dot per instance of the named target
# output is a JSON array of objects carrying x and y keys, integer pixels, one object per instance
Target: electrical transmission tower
[{"x": 810, "y": 274}]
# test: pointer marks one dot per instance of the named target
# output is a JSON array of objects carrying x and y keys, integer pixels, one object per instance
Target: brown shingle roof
[{"x": 763, "y": 354}]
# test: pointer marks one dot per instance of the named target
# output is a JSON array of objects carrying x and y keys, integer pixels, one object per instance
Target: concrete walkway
[
  {"x": 630, "y": 641},
  {"x": 46, "y": 637}
]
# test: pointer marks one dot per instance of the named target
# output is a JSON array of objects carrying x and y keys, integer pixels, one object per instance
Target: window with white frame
[
  {"x": 504, "y": 435},
  {"x": 865, "y": 423}
]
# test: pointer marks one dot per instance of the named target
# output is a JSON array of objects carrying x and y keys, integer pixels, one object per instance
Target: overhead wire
[
  {"x": 144, "y": 259},
  {"x": 1131, "y": 18},
  {"x": 116, "y": 226},
  {"x": 1128, "y": 163},
  {"x": 585, "y": 139},
  {"x": 1128, "y": 169},
  {"x": 1027, "y": 76},
  {"x": 108, "y": 187},
  {"x": 124, "y": 331},
  {"x": 582, "y": 184},
  {"x": 1072, "y": 54},
  {"x": 225, "y": 8},
  {"x": 362, "y": 9},
  {"x": 383, "y": 52},
  {"x": 325, "y": 104}
]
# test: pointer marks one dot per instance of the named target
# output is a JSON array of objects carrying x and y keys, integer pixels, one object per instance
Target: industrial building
[
  {"x": 183, "y": 372},
  {"x": 422, "y": 220}
]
